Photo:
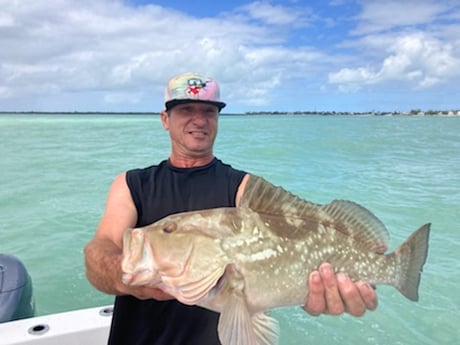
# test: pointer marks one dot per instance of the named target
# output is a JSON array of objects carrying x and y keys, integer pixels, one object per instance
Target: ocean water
[{"x": 55, "y": 171}]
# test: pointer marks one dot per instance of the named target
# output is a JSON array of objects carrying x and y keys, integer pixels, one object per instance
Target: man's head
[
  {"x": 192, "y": 87},
  {"x": 192, "y": 107}
]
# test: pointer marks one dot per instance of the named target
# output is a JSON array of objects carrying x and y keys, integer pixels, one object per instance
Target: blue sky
[{"x": 292, "y": 55}]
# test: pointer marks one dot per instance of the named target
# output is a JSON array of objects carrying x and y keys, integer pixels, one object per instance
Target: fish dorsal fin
[
  {"x": 346, "y": 217},
  {"x": 263, "y": 197},
  {"x": 358, "y": 222}
]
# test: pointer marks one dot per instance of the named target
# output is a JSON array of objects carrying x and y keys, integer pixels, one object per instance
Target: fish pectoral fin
[
  {"x": 235, "y": 325},
  {"x": 266, "y": 328},
  {"x": 238, "y": 327}
]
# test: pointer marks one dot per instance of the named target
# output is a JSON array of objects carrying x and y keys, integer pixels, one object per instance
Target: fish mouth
[{"x": 138, "y": 266}]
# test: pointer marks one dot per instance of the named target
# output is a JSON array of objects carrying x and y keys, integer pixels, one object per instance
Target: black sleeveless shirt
[{"x": 158, "y": 191}]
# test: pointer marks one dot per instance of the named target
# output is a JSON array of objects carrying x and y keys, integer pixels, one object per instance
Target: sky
[{"x": 291, "y": 55}]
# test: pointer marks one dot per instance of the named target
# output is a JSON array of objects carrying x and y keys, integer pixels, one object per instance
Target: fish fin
[
  {"x": 412, "y": 256},
  {"x": 347, "y": 217},
  {"x": 358, "y": 222},
  {"x": 235, "y": 325},
  {"x": 263, "y": 197},
  {"x": 238, "y": 327},
  {"x": 266, "y": 328}
]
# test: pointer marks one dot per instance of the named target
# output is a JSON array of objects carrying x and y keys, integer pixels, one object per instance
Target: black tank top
[{"x": 158, "y": 191}]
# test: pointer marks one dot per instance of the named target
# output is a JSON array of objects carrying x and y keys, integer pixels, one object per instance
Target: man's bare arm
[{"x": 103, "y": 254}]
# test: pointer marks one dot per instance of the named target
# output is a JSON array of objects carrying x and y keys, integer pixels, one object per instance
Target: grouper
[{"x": 245, "y": 261}]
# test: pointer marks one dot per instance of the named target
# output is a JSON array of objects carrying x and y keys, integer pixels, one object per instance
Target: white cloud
[
  {"x": 275, "y": 14},
  {"x": 107, "y": 55},
  {"x": 377, "y": 15},
  {"x": 71, "y": 47},
  {"x": 417, "y": 59},
  {"x": 412, "y": 43},
  {"x": 123, "y": 97}
]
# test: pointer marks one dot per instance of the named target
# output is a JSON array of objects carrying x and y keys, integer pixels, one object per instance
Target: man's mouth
[{"x": 198, "y": 133}]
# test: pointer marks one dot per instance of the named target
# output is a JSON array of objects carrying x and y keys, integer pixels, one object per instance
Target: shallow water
[{"x": 56, "y": 170}]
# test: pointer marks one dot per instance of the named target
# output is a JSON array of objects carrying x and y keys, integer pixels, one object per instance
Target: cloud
[
  {"x": 275, "y": 14},
  {"x": 107, "y": 47},
  {"x": 108, "y": 55},
  {"x": 417, "y": 59},
  {"x": 378, "y": 16},
  {"x": 411, "y": 44}
]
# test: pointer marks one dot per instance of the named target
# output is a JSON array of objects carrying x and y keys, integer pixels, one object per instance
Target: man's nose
[{"x": 199, "y": 117}]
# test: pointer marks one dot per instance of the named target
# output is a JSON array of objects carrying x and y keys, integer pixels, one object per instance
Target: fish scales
[
  {"x": 244, "y": 261},
  {"x": 252, "y": 254}
]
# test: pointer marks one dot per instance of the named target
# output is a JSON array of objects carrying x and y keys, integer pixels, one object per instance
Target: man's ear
[{"x": 165, "y": 119}]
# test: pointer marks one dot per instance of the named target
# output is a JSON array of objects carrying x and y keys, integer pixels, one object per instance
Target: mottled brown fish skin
[
  {"x": 246, "y": 260},
  {"x": 275, "y": 267},
  {"x": 283, "y": 263}
]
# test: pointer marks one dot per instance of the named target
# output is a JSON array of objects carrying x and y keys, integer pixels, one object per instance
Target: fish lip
[{"x": 132, "y": 273}]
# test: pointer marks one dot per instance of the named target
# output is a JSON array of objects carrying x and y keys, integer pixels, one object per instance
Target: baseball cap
[{"x": 192, "y": 87}]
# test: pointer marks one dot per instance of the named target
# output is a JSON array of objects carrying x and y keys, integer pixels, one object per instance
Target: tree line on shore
[
  {"x": 415, "y": 112},
  {"x": 377, "y": 113}
]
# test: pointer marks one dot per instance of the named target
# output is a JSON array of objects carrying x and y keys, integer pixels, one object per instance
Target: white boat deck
[{"x": 84, "y": 326}]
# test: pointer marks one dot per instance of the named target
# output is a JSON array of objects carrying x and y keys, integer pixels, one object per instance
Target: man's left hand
[{"x": 335, "y": 294}]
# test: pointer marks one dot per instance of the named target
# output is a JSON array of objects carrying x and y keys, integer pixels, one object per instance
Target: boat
[
  {"x": 16, "y": 296},
  {"x": 83, "y": 326},
  {"x": 20, "y": 326}
]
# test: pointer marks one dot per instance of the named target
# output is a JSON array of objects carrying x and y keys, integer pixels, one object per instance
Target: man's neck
[{"x": 189, "y": 162}]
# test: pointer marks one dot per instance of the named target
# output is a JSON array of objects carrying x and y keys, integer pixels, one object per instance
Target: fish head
[
  {"x": 176, "y": 254},
  {"x": 137, "y": 264},
  {"x": 149, "y": 254}
]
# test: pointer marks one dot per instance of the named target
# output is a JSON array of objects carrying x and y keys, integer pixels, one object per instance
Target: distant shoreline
[
  {"x": 77, "y": 113},
  {"x": 250, "y": 113},
  {"x": 369, "y": 113}
]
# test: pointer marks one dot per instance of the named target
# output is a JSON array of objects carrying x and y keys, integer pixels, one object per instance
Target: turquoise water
[{"x": 55, "y": 172}]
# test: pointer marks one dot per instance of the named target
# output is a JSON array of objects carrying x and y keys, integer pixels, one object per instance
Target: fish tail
[{"x": 410, "y": 257}]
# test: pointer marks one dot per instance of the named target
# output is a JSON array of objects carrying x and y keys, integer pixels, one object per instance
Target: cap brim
[{"x": 174, "y": 102}]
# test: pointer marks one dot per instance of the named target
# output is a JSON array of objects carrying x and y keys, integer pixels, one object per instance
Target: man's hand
[{"x": 336, "y": 294}]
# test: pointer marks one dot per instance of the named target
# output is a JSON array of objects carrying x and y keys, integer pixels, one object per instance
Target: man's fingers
[
  {"x": 335, "y": 294},
  {"x": 368, "y": 295},
  {"x": 315, "y": 304},
  {"x": 351, "y": 295},
  {"x": 334, "y": 302}
]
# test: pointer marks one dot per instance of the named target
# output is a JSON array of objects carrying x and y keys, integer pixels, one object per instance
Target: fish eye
[{"x": 169, "y": 228}]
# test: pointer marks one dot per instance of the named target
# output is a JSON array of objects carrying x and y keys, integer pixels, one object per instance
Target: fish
[{"x": 245, "y": 261}]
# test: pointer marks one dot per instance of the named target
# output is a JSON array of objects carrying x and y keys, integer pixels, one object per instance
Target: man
[{"x": 191, "y": 179}]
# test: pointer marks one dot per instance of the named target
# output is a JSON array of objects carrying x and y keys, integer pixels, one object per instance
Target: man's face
[{"x": 192, "y": 128}]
